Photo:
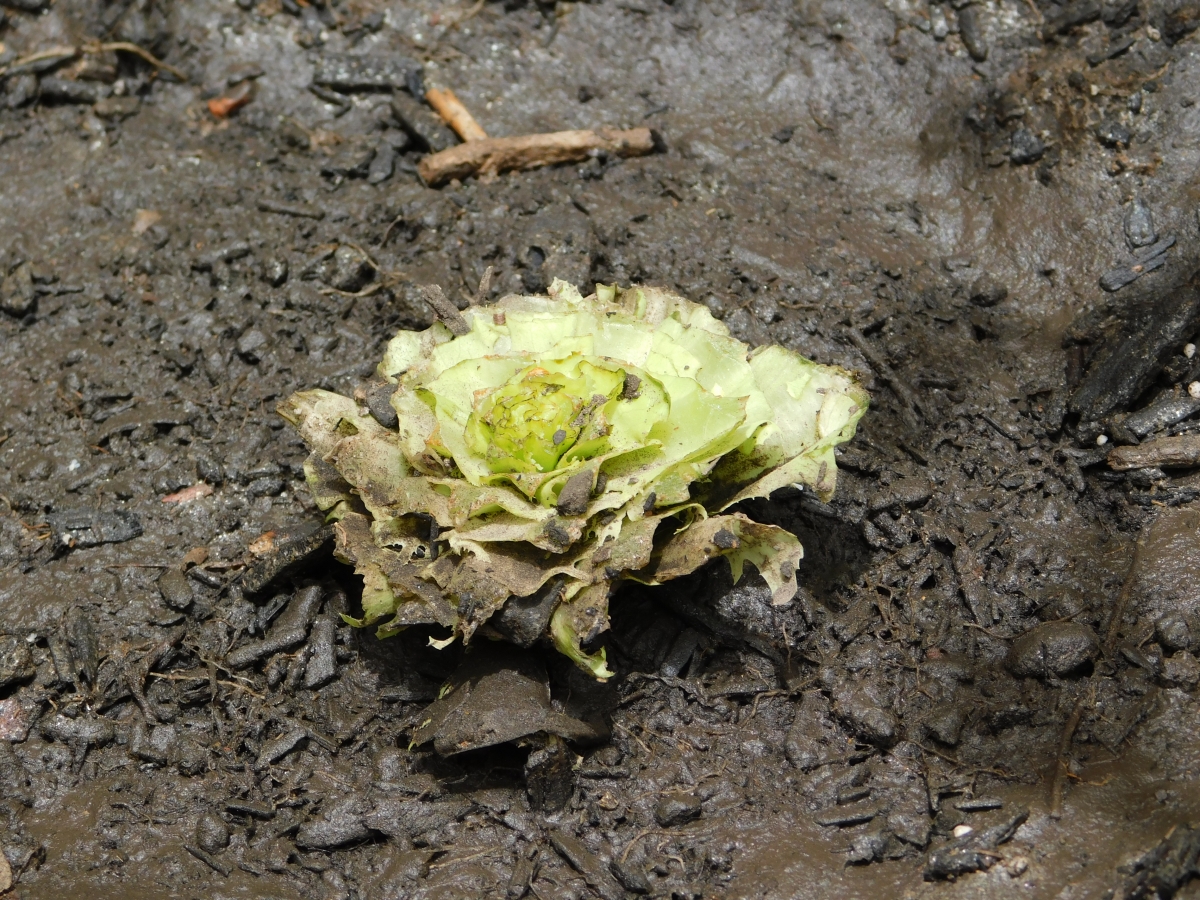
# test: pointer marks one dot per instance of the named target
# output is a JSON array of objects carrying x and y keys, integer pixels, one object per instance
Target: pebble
[
  {"x": 1025, "y": 147},
  {"x": 22, "y": 90},
  {"x": 1139, "y": 225},
  {"x": 987, "y": 290},
  {"x": 17, "y": 294},
  {"x": 275, "y": 272},
  {"x": 865, "y": 717},
  {"x": 939, "y": 27},
  {"x": 353, "y": 160},
  {"x": 350, "y": 271},
  {"x": 115, "y": 109},
  {"x": 677, "y": 809},
  {"x": 945, "y": 722},
  {"x": 1112, "y": 133},
  {"x": 1053, "y": 650},
  {"x": 14, "y": 720},
  {"x": 379, "y": 402},
  {"x": 176, "y": 589},
  {"x": 382, "y": 164},
  {"x": 251, "y": 345},
  {"x": 212, "y": 834},
  {"x": 16, "y": 660},
  {"x": 972, "y": 35},
  {"x": 1173, "y": 632}
]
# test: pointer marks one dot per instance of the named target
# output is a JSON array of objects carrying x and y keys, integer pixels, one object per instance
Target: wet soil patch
[{"x": 988, "y": 682}]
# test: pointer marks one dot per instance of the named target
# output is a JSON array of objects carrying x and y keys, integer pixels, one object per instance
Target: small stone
[
  {"x": 677, "y": 809},
  {"x": 939, "y": 27},
  {"x": 1053, "y": 650},
  {"x": 1017, "y": 866},
  {"x": 14, "y": 721},
  {"x": 382, "y": 164},
  {"x": 176, "y": 589},
  {"x": 945, "y": 722},
  {"x": 1112, "y": 133},
  {"x": 16, "y": 660},
  {"x": 1139, "y": 225},
  {"x": 865, "y": 716},
  {"x": 1182, "y": 670},
  {"x": 971, "y": 31},
  {"x": 22, "y": 90},
  {"x": 1025, "y": 147},
  {"x": 987, "y": 290},
  {"x": 275, "y": 272},
  {"x": 1194, "y": 390},
  {"x": 1189, "y": 350},
  {"x": 252, "y": 345},
  {"x": 867, "y": 848},
  {"x": 350, "y": 271},
  {"x": 212, "y": 834},
  {"x": 1101, "y": 440},
  {"x": 116, "y": 109},
  {"x": 17, "y": 294},
  {"x": 1173, "y": 632}
]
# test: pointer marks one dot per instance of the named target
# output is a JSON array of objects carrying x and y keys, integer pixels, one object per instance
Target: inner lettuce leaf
[{"x": 586, "y": 441}]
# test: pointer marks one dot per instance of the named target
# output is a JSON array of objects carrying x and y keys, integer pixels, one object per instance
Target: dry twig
[
  {"x": 493, "y": 155},
  {"x": 457, "y": 116},
  {"x": 446, "y": 311}
]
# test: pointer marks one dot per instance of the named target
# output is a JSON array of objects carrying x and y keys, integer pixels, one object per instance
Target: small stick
[
  {"x": 1064, "y": 748},
  {"x": 446, "y": 311},
  {"x": 457, "y": 116},
  {"x": 138, "y": 51},
  {"x": 485, "y": 288},
  {"x": 493, "y": 155},
  {"x": 1118, "y": 613},
  {"x": 66, "y": 52},
  {"x": 1178, "y": 450}
]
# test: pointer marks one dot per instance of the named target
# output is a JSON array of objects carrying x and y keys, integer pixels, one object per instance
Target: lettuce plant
[{"x": 565, "y": 443}]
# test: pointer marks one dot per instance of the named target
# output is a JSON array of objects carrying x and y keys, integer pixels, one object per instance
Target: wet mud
[{"x": 988, "y": 682}]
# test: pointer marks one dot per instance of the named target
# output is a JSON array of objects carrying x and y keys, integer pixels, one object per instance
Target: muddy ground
[{"x": 988, "y": 684}]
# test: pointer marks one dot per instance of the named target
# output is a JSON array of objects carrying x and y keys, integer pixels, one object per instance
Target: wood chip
[
  {"x": 1180, "y": 450},
  {"x": 493, "y": 155}
]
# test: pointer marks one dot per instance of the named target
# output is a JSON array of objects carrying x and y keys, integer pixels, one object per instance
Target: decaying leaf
[{"x": 568, "y": 443}]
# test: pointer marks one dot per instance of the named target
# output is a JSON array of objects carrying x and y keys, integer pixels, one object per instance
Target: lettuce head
[{"x": 565, "y": 443}]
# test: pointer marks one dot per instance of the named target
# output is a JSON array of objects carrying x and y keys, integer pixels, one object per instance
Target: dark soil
[{"x": 988, "y": 684}]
